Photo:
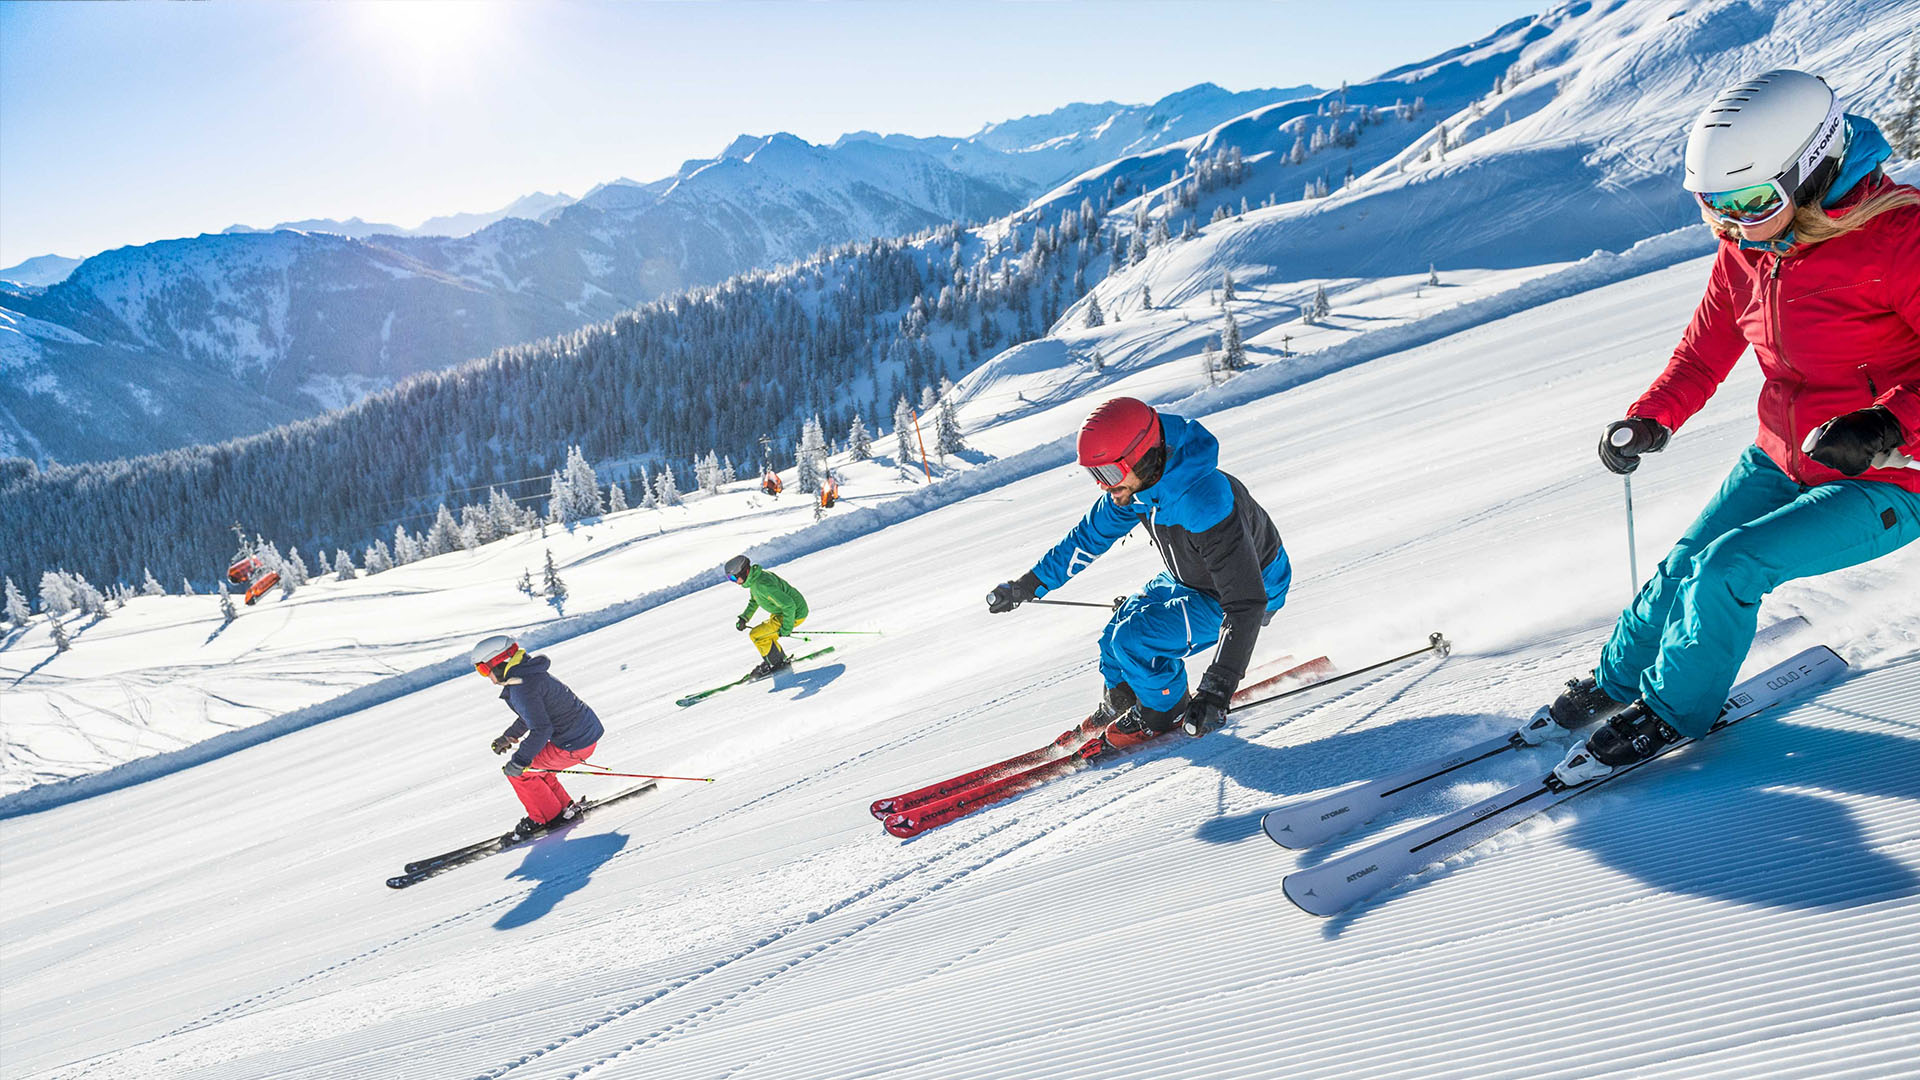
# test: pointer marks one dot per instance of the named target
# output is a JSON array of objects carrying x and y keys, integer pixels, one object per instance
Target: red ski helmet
[{"x": 1116, "y": 437}]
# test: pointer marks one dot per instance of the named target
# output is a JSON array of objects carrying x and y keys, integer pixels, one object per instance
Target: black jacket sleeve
[{"x": 1234, "y": 565}]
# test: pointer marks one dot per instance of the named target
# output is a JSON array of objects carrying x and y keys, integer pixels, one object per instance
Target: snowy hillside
[{"x": 1747, "y": 908}]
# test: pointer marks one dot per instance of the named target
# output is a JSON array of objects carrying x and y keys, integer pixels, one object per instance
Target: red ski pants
[{"x": 540, "y": 792}]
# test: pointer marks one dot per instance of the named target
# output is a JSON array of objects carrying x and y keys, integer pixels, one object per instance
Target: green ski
[{"x": 705, "y": 694}]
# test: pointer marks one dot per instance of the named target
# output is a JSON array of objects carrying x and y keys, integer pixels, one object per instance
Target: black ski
[{"x": 421, "y": 870}]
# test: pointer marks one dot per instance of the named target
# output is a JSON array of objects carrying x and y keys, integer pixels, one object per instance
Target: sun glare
[{"x": 434, "y": 39}]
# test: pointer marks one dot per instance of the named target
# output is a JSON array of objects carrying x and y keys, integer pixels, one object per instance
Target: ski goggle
[
  {"x": 1108, "y": 475},
  {"x": 1749, "y": 205}
]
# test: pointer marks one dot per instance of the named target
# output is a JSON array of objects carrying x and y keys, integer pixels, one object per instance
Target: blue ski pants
[
  {"x": 1146, "y": 643},
  {"x": 1680, "y": 645}
]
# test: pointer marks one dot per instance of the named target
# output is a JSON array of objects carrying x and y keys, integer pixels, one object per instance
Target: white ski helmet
[
  {"x": 492, "y": 651},
  {"x": 1782, "y": 130}
]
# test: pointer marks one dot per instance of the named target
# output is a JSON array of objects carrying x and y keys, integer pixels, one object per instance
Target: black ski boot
[
  {"x": 775, "y": 660},
  {"x": 1114, "y": 703},
  {"x": 1635, "y": 735},
  {"x": 528, "y": 827},
  {"x": 1582, "y": 703}
]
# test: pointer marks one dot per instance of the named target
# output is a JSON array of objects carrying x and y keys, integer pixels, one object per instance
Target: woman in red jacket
[{"x": 1818, "y": 271}]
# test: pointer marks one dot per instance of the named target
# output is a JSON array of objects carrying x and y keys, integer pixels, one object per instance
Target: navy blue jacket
[
  {"x": 1211, "y": 533},
  {"x": 546, "y": 712}
]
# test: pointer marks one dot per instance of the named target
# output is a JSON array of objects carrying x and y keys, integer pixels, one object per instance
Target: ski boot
[
  {"x": 1633, "y": 736},
  {"x": 528, "y": 827},
  {"x": 1140, "y": 724},
  {"x": 1114, "y": 703},
  {"x": 775, "y": 660},
  {"x": 1580, "y": 704}
]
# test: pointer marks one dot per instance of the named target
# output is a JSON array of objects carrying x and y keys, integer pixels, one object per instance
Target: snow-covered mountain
[
  {"x": 276, "y": 329},
  {"x": 538, "y": 206},
  {"x": 39, "y": 271},
  {"x": 202, "y": 339}
]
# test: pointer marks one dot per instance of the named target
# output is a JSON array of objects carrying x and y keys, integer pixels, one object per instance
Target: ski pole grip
[{"x": 1620, "y": 437}]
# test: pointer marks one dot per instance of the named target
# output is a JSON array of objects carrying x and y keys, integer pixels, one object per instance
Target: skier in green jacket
[{"x": 785, "y": 608}]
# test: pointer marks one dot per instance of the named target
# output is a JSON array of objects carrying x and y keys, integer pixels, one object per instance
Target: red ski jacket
[{"x": 1835, "y": 326}]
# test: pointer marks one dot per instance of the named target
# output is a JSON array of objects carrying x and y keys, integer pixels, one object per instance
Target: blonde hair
[{"x": 1813, "y": 225}]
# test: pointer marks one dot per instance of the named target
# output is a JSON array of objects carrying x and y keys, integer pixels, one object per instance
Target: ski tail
[
  {"x": 1062, "y": 744},
  {"x": 910, "y": 823}
]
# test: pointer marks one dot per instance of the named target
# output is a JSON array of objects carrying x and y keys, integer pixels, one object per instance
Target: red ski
[
  {"x": 1059, "y": 747},
  {"x": 913, "y": 822}
]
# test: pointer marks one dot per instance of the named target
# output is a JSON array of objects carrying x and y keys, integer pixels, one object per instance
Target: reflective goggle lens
[
  {"x": 482, "y": 668},
  {"x": 1108, "y": 475},
  {"x": 1747, "y": 205}
]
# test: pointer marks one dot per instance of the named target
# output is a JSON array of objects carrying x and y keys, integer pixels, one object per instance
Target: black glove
[
  {"x": 1621, "y": 453},
  {"x": 1851, "y": 442},
  {"x": 1207, "y": 708},
  {"x": 740, "y": 623},
  {"x": 503, "y": 744},
  {"x": 513, "y": 768},
  {"x": 1009, "y": 595}
]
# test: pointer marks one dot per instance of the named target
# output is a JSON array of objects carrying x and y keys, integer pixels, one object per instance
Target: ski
[
  {"x": 1064, "y": 744},
  {"x": 910, "y": 823},
  {"x": 1314, "y": 821},
  {"x": 422, "y": 869},
  {"x": 744, "y": 679},
  {"x": 1338, "y": 884}
]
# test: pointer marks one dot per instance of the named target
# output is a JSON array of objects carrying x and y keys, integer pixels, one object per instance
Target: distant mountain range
[
  {"x": 538, "y": 206},
  {"x": 196, "y": 340}
]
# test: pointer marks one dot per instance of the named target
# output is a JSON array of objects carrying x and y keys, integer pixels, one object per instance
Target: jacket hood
[
  {"x": 532, "y": 665},
  {"x": 1192, "y": 454}
]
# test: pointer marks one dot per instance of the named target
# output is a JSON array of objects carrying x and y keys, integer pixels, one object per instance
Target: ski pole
[
  {"x": 1436, "y": 642},
  {"x": 804, "y": 633},
  {"x": 1082, "y": 603},
  {"x": 1633, "y": 551},
  {"x": 634, "y": 775}
]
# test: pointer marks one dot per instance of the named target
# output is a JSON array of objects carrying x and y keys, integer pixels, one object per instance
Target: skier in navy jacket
[
  {"x": 558, "y": 728},
  {"x": 1226, "y": 569}
]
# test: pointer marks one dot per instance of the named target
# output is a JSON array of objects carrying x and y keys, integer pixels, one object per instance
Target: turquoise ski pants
[{"x": 1681, "y": 644}]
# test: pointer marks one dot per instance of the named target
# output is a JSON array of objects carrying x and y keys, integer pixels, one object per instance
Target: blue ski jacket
[
  {"x": 546, "y": 712},
  {"x": 1211, "y": 535}
]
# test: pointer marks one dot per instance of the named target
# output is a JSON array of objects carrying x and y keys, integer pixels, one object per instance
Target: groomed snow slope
[{"x": 1745, "y": 909}]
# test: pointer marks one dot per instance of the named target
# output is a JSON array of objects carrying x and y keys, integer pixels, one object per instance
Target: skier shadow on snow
[
  {"x": 810, "y": 680},
  {"x": 1295, "y": 771},
  {"x": 561, "y": 865},
  {"x": 1756, "y": 817}
]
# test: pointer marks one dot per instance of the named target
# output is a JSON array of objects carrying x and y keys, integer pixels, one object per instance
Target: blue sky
[{"x": 127, "y": 123}]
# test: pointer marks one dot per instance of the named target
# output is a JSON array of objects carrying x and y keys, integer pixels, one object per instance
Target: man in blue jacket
[
  {"x": 558, "y": 728},
  {"x": 1226, "y": 571}
]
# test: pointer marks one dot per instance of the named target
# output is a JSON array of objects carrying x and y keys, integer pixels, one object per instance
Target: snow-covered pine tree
[
  {"x": 559, "y": 502},
  {"x": 553, "y": 587},
  {"x": 323, "y": 567},
  {"x": 378, "y": 559},
  {"x": 186, "y": 587},
  {"x": 503, "y": 513},
  {"x": 87, "y": 598},
  {"x": 903, "y": 432},
  {"x": 148, "y": 587},
  {"x": 1095, "y": 317},
  {"x": 405, "y": 550},
  {"x": 56, "y": 593},
  {"x": 342, "y": 565},
  {"x": 297, "y": 566},
  {"x": 1233, "y": 354},
  {"x": 859, "y": 441},
  {"x": 1433, "y": 276},
  {"x": 810, "y": 456},
  {"x": 1322, "y": 307},
  {"x": 1146, "y": 297},
  {"x": 665, "y": 491},
  {"x": 1210, "y": 363},
  {"x": 227, "y": 612},
  {"x": 727, "y": 473},
  {"x": 648, "y": 500},
  {"x": 947, "y": 436},
  {"x": 583, "y": 487},
  {"x": 1227, "y": 295},
  {"x": 616, "y": 497},
  {"x": 61, "y": 642},
  {"x": 17, "y": 611},
  {"x": 526, "y": 582}
]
